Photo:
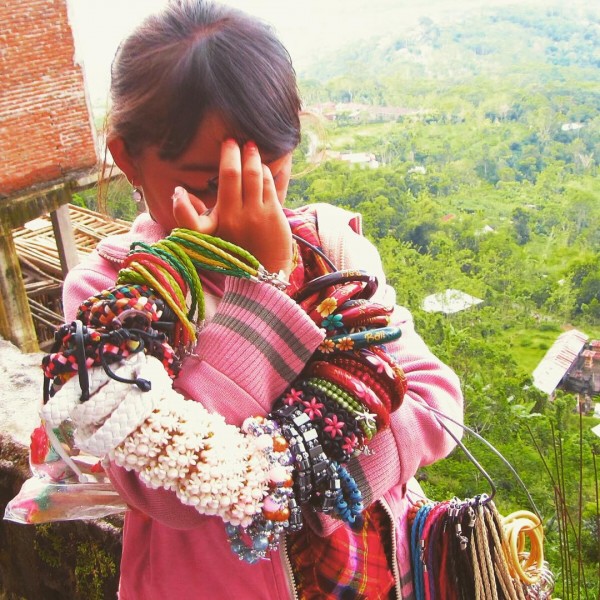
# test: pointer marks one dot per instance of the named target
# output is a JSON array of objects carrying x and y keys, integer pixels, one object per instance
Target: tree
[{"x": 520, "y": 219}]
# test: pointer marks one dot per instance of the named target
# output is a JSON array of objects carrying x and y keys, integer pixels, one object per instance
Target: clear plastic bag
[{"x": 65, "y": 484}]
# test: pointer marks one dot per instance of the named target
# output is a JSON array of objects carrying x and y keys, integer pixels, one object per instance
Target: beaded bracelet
[
  {"x": 272, "y": 443},
  {"x": 349, "y": 501},
  {"x": 303, "y": 483},
  {"x": 279, "y": 509},
  {"x": 357, "y": 388},
  {"x": 296, "y": 422},
  {"x": 338, "y": 429},
  {"x": 347, "y": 402}
]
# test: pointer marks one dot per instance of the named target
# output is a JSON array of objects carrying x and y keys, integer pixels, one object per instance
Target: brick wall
[{"x": 45, "y": 121}]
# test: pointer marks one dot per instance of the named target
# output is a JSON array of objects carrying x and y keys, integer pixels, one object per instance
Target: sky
[{"x": 308, "y": 28}]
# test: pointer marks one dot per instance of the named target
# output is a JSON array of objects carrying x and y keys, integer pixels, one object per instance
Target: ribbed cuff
[{"x": 259, "y": 338}]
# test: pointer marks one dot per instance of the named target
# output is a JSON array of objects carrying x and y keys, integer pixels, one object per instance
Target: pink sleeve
[
  {"x": 257, "y": 342},
  {"x": 415, "y": 438}
]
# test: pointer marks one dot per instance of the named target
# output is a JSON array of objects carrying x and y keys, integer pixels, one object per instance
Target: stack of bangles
[
  {"x": 257, "y": 478},
  {"x": 465, "y": 548}
]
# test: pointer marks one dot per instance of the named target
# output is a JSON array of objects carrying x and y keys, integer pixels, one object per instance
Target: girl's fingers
[
  {"x": 229, "y": 196},
  {"x": 252, "y": 177},
  {"x": 269, "y": 191},
  {"x": 189, "y": 212}
]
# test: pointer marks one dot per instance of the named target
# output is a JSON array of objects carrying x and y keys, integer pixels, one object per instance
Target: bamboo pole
[{"x": 16, "y": 323}]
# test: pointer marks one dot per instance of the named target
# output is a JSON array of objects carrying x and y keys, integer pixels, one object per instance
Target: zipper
[
  {"x": 395, "y": 570},
  {"x": 287, "y": 567}
]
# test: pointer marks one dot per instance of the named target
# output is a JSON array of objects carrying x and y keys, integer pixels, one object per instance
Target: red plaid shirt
[{"x": 350, "y": 564}]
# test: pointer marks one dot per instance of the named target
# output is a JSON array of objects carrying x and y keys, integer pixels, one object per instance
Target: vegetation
[{"x": 487, "y": 182}]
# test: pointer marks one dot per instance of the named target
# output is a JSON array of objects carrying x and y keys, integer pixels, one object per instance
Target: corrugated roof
[{"x": 557, "y": 361}]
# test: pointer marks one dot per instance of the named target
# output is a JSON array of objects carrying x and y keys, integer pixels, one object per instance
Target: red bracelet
[
  {"x": 337, "y": 297},
  {"x": 399, "y": 378},
  {"x": 333, "y": 279},
  {"x": 357, "y": 313},
  {"x": 354, "y": 386},
  {"x": 362, "y": 371}
]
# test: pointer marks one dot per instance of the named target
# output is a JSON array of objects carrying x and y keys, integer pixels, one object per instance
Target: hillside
[{"x": 485, "y": 179}]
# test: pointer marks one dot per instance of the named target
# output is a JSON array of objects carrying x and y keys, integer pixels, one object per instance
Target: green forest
[
  {"x": 487, "y": 182},
  {"x": 484, "y": 178}
]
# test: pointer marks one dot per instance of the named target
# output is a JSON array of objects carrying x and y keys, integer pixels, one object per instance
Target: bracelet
[
  {"x": 365, "y": 339},
  {"x": 332, "y": 279},
  {"x": 353, "y": 313},
  {"x": 341, "y": 435},
  {"x": 348, "y": 402},
  {"x": 314, "y": 460},
  {"x": 349, "y": 501},
  {"x": 279, "y": 510},
  {"x": 364, "y": 373},
  {"x": 394, "y": 373},
  {"x": 351, "y": 384},
  {"x": 331, "y": 302}
]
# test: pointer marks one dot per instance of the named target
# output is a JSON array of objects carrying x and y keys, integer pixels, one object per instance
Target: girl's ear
[{"x": 122, "y": 158}]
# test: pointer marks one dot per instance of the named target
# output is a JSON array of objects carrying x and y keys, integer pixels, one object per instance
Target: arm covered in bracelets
[
  {"x": 415, "y": 437},
  {"x": 257, "y": 341}
]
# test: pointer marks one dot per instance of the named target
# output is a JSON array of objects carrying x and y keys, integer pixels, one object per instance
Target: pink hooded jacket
[{"x": 254, "y": 342}]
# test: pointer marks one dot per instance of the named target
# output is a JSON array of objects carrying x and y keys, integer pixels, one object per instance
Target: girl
[{"x": 204, "y": 119}]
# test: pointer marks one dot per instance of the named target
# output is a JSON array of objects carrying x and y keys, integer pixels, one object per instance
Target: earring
[{"x": 136, "y": 194}]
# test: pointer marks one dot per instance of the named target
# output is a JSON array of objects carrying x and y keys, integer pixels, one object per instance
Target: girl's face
[{"x": 195, "y": 170}]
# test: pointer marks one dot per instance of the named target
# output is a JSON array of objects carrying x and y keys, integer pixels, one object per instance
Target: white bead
[{"x": 264, "y": 442}]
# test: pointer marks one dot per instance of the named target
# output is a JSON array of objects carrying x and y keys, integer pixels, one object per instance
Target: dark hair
[{"x": 195, "y": 57}]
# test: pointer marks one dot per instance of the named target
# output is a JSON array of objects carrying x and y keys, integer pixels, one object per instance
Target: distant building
[
  {"x": 486, "y": 229},
  {"x": 46, "y": 125},
  {"x": 584, "y": 375},
  {"x": 571, "y": 364},
  {"x": 364, "y": 159},
  {"x": 420, "y": 169},
  {"x": 355, "y": 111},
  {"x": 449, "y": 302},
  {"x": 571, "y": 126}
]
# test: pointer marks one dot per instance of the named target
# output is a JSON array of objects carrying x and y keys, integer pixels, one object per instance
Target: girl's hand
[{"x": 247, "y": 212}]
